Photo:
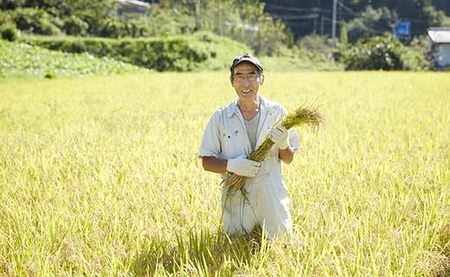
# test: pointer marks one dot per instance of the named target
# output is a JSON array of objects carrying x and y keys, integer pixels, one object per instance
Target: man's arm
[
  {"x": 286, "y": 155},
  {"x": 214, "y": 164}
]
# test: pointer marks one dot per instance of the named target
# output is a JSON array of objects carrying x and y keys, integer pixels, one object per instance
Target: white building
[
  {"x": 440, "y": 48},
  {"x": 132, "y": 6}
]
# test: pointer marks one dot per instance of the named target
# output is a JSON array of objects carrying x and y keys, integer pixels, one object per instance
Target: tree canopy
[{"x": 264, "y": 25}]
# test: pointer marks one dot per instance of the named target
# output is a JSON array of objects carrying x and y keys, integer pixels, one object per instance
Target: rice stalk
[{"x": 301, "y": 116}]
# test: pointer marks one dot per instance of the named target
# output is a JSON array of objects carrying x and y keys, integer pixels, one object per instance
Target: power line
[
  {"x": 350, "y": 11},
  {"x": 292, "y": 9},
  {"x": 295, "y": 17},
  {"x": 301, "y": 19}
]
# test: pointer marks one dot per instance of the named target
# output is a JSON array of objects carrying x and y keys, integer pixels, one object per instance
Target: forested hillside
[
  {"x": 260, "y": 24},
  {"x": 315, "y": 16}
]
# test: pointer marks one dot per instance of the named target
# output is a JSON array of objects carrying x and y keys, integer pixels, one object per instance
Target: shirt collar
[{"x": 234, "y": 109}]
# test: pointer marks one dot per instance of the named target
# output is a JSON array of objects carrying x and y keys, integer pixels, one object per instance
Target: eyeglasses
[{"x": 250, "y": 77}]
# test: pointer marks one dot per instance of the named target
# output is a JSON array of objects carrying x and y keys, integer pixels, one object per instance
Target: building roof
[
  {"x": 132, "y": 6},
  {"x": 134, "y": 3},
  {"x": 439, "y": 34}
]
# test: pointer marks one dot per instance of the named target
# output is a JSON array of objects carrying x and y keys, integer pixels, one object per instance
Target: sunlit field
[{"x": 99, "y": 176}]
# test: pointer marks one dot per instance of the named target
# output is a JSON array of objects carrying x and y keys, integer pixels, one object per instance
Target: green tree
[
  {"x": 371, "y": 23},
  {"x": 11, "y": 4},
  {"x": 241, "y": 20}
]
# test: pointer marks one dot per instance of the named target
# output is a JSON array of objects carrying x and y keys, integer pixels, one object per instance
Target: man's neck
[{"x": 249, "y": 106}]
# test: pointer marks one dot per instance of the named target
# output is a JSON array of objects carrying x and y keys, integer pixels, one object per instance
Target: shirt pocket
[
  {"x": 233, "y": 141},
  {"x": 230, "y": 133}
]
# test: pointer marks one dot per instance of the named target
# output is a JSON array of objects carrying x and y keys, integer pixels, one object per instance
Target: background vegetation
[
  {"x": 100, "y": 176},
  {"x": 261, "y": 27},
  {"x": 361, "y": 18},
  {"x": 23, "y": 59}
]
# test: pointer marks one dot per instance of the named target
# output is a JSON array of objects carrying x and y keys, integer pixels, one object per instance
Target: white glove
[
  {"x": 243, "y": 166},
  {"x": 279, "y": 135}
]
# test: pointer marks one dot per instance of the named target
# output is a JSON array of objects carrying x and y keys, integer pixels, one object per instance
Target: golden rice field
[{"x": 99, "y": 176}]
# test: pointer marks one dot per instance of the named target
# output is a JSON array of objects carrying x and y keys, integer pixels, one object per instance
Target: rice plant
[{"x": 100, "y": 176}]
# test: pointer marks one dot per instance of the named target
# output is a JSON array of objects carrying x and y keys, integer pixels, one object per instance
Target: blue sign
[{"x": 402, "y": 28}]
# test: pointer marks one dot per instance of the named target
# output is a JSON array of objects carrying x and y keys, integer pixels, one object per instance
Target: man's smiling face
[{"x": 246, "y": 81}]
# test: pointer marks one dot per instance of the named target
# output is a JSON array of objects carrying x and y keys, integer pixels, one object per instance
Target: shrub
[
  {"x": 416, "y": 58},
  {"x": 9, "y": 32},
  {"x": 164, "y": 54},
  {"x": 5, "y": 17},
  {"x": 36, "y": 21},
  {"x": 316, "y": 49},
  {"x": 50, "y": 75},
  {"x": 113, "y": 28},
  {"x": 11, "y": 4},
  {"x": 376, "y": 53},
  {"x": 74, "y": 26}
]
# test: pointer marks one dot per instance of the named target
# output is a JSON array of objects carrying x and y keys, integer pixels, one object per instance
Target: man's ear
[
  {"x": 231, "y": 81},
  {"x": 261, "y": 79}
]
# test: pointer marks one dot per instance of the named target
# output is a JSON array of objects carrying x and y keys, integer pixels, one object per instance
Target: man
[{"x": 235, "y": 131}]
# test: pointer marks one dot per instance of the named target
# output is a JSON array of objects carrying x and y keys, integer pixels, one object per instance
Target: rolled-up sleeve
[{"x": 210, "y": 145}]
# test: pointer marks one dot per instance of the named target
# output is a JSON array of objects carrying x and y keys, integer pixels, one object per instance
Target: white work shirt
[
  {"x": 267, "y": 203},
  {"x": 226, "y": 137}
]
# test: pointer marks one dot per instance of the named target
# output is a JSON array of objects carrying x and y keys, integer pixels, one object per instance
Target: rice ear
[
  {"x": 302, "y": 115},
  {"x": 310, "y": 116}
]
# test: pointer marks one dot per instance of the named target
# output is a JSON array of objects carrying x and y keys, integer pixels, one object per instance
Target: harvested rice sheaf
[{"x": 301, "y": 116}]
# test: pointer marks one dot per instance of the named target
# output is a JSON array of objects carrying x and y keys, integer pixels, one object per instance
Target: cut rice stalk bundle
[{"x": 303, "y": 115}]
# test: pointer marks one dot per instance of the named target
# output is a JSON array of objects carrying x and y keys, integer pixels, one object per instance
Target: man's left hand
[{"x": 280, "y": 136}]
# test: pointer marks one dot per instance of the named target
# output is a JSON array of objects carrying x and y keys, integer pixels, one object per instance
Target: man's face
[{"x": 246, "y": 81}]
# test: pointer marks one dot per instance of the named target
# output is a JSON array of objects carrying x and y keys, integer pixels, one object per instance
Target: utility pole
[
  {"x": 333, "y": 26},
  {"x": 197, "y": 15},
  {"x": 322, "y": 25},
  {"x": 315, "y": 11}
]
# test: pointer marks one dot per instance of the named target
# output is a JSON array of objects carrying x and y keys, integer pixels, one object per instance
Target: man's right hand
[{"x": 243, "y": 166}]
